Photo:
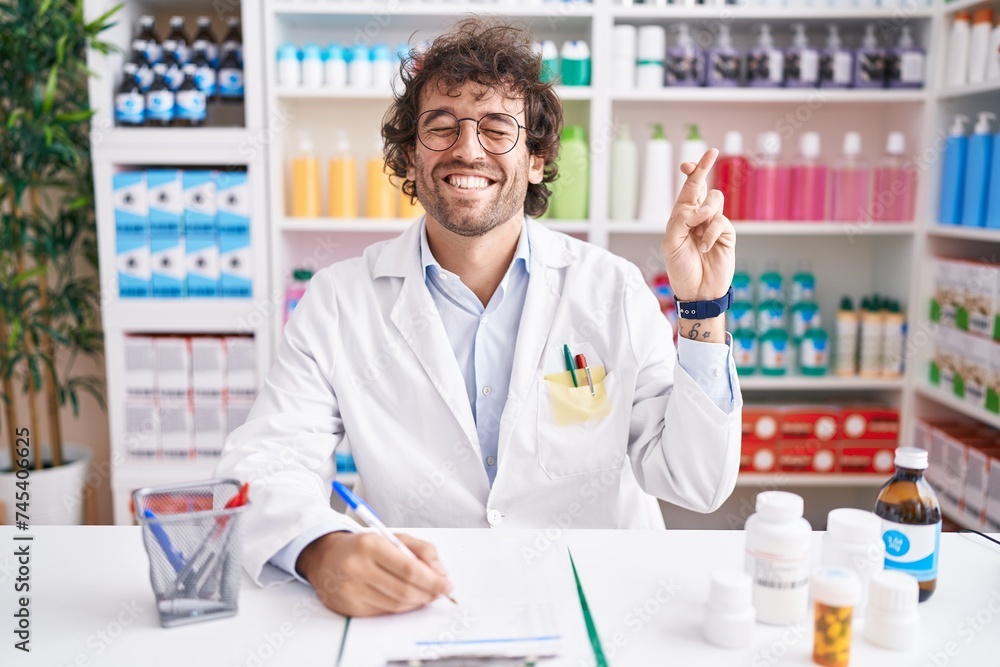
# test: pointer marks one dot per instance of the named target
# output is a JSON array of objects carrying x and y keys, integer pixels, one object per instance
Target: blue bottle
[
  {"x": 977, "y": 172},
  {"x": 993, "y": 207},
  {"x": 956, "y": 151}
]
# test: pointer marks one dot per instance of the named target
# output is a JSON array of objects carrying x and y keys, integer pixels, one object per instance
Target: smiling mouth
[{"x": 465, "y": 182}]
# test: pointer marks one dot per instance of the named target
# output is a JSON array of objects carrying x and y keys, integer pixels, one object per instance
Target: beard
[{"x": 468, "y": 217}]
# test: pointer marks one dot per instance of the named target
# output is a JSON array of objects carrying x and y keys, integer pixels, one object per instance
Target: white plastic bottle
[
  {"x": 382, "y": 66},
  {"x": 335, "y": 67},
  {"x": 657, "y": 180},
  {"x": 871, "y": 339},
  {"x": 312, "y": 67},
  {"x": 778, "y": 541},
  {"x": 958, "y": 50},
  {"x": 289, "y": 66},
  {"x": 359, "y": 70},
  {"x": 624, "y": 176},
  {"x": 979, "y": 42},
  {"x": 853, "y": 540},
  {"x": 649, "y": 57},
  {"x": 692, "y": 150},
  {"x": 993, "y": 60},
  {"x": 623, "y": 58}
]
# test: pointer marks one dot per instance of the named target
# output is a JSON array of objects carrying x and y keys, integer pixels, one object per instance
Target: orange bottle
[
  {"x": 305, "y": 180},
  {"x": 381, "y": 198},
  {"x": 343, "y": 180},
  {"x": 407, "y": 210}
]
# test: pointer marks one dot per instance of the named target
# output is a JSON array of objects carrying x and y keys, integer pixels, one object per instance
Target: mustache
[{"x": 458, "y": 165}]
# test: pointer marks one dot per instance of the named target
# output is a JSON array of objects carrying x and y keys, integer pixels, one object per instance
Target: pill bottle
[
  {"x": 891, "y": 618},
  {"x": 836, "y": 591},
  {"x": 729, "y": 614},
  {"x": 778, "y": 540},
  {"x": 911, "y": 520},
  {"x": 853, "y": 540}
]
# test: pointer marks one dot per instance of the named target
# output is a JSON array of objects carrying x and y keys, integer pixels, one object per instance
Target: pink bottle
[
  {"x": 295, "y": 291},
  {"x": 808, "y": 181},
  {"x": 850, "y": 191},
  {"x": 895, "y": 183},
  {"x": 770, "y": 180}
]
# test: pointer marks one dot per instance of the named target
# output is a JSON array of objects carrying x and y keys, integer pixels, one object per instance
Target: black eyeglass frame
[{"x": 458, "y": 135}]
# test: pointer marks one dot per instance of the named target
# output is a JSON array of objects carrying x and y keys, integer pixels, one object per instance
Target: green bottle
[
  {"x": 774, "y": 352},
  {"x": 745, "y": 351},
  {"x": 814, "y": 352},
  {"x": 570, "y": 191},
  {"x": 742, "y": 284}
]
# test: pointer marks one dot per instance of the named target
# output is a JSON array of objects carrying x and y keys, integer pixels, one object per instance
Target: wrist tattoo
[{"x": 693, "y": 334}]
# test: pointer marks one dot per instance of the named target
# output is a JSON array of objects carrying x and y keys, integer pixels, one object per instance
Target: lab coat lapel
[
  {"x": 418, "y": 321},
  {"x": 550, "y": 253}
]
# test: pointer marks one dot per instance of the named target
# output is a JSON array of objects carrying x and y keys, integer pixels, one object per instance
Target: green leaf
[
  {"x": 44, "y": 7},
  {"x": 75, "y": 117},
  {"x": 75, "y": 402},
  {"x": 98, "y": 24},
  {"x": 50, "y": 89}
]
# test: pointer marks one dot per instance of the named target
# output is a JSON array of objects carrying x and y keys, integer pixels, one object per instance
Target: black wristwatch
[{"x": 703, "y": 310}]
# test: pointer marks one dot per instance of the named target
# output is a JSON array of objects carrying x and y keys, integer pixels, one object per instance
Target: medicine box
[
  {"x": 241, "y": 367},
  {"x": 237, "y": 411},
  {"x": 131, "y": 203},
  {"x": 868, "y": 439},
  {"x": 169, "y": 266},
  {"x": 210, "y": 428},
  {"x": 235, "y": 266},
  {"x": 200, "y": 209},
  {"x": 761, "y": 428},
  {"x": 208, "y": 366},
  {"x": 203, "y": 275},
  {"x": 134, "y": 272},
  {"x": 166, "y": 206},
  {"x": 233, "y": 202},
  {"x": 809, "y": 437},
  {"x": 980, "y": 288},
  {"x": 993, "y": 386},
  {"x": 980, "y": 459},
  {"x": 176, "y": 428},
  {"x": 142, "y": 426},
  {"x": 140, "y": 366},
  {"x": 973, "y": 369},
  {"x": 173, "y": 367},
  {"x": 993, "y": 495}
]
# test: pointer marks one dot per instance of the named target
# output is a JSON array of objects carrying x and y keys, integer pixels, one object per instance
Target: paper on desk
[{"x": 512, "y": 601}]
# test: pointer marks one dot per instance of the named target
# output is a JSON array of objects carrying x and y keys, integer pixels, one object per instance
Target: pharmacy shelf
[
  {"x": 964, "y": 233},
  {"x": 172, "y": 145},
  {"x": 971, "y": 90},
  {"x": 403, "y": 9},
  {"x": 385, "y": 94},
  {"x": 957, "y": 404},
  {"x": 181, "y": 315},
  {"x": 744, "y": 95},
  {"x": 732, "y": 13},
  {"x": 785, "y": 228},
  {"x": 821, "y": 383},
  {"x": 959, "y": 518},
  {"x": 806, "y": 479},
  {"x": 966, "y": 5}
]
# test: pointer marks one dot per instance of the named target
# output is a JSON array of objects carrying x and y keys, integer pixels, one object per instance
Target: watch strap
[{"x": 703, "y": 310}]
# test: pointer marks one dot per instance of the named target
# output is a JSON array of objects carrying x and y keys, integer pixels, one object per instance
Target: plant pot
[{"x": 55, "y": 495}]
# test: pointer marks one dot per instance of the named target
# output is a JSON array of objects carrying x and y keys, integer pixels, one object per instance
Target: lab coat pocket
[{"x": 579, "y": 433}]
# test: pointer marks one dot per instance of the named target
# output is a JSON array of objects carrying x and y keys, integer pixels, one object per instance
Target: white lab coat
[{"x": 365, "y": 360}]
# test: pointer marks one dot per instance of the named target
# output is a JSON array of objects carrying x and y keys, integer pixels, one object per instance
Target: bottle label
[
  {"x": 160, "y": 105},
  {"x": 772, "y": 354},
  {"x": 231, "y": 82},
  {"x": 802, "y": 66},
  {"x": 778, "y": 572},
  {"x": 174, "y": 77},
  {"x": 144, "y": 77},
  {"x": 153, "y": 52},
  {"x": 684, "y": 68},
  {"x": 911, "y": 67},
  {"x": 191, "y": 105},
  {"x": 745, "y": 351},
  {"x": 204, "y": 79},
  {"x": 813, "y": 353},
  {"x": 210, "y": 49},
  {"x": 725, "y": 67},
  {"x": 130, "y": 108},
  {"x": 912, "y": 549},
  {"x": 804, "y": 289}
]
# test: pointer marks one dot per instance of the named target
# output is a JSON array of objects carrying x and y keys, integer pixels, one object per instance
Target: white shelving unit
[
  {"x": 883, "y": 257},
  {"x": 118, "y": 149}
]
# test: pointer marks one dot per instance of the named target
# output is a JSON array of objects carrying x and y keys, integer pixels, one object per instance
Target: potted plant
[{"x": 49, "y": 293}]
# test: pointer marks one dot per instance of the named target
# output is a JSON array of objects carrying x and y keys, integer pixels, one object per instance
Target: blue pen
[
  {"x": 364, "y": 512},
  {"x": 176, "y": 558}
]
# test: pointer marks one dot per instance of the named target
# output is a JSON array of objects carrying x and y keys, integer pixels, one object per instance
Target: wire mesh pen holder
[{"x": 195, "y": 547}]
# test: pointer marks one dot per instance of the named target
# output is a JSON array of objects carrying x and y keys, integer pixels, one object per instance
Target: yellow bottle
[
  {"x": 305, "y": 180},
  {"x": 343, "y": 180},
  {"x": 409, "y": 211},
  {"x": 381, "y": 192}
]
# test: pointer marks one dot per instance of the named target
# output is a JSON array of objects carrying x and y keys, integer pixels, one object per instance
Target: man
[{"x": 439, "y": 356}]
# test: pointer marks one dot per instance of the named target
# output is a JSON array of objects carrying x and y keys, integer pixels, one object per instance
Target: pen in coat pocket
[
  {"x": 569, "y": 365},
  {"x": 367, "y": 514},
  {"x": 581, "y": 362}
]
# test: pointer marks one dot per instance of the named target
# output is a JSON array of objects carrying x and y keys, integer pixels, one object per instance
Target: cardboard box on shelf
[
  {"x": 203, "y": 277},
  {"x": 168, "y": 266},
  {"x": 980, "y": 461},
  {"x": 166, "y": 205},
  {"x": 241, "y": 366},
  {"x": 200, "y": 210},
  {"x": 937, "y": 474},
  {"x": 140, "y": 366},
  {"x": 993, "y": 388},
  {"x": 233, "y": 201},
  {"x": 947, "y": 288},
  {"x": 761, "y": 428},
  {"x": 210, "y": 426},
  {"x": 135, "y": 271},
  {"x": 208, "y": 366},
  {"x": 142, "y": 428},
  {"x": 973, "y": 369},
  {"x": 980, "y": 284},
  {"x": 173, "y": 367},
  {"x": 237, "y": 411},
  {"x": 176, "y": 428},
  {"x": 131, "y": 203},
  {"x": 993, "y": 495},
  {"x": 809, "y": 439}
]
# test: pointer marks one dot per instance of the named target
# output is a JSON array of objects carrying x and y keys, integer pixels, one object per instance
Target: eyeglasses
[{"x": 438, "y": 130}]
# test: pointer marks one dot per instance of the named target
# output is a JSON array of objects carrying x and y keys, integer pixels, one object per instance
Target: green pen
[{"x": 569, "y": 365}]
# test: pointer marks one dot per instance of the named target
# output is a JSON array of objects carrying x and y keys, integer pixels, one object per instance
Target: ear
[
  {"x": 411, "y": 171},
  {"x": 536, "y": 169}
]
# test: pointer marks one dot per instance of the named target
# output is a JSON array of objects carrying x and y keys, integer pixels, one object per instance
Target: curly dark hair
[{"x": 493, "y": 54}]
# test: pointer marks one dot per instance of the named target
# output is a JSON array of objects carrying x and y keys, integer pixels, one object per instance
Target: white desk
[{"x": 92, "y": 604}]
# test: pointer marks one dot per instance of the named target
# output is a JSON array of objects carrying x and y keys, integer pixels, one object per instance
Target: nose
[{"x": 467, "y": 146}]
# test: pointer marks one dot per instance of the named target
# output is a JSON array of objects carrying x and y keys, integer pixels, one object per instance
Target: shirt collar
[{"x": 522, "y": 252}]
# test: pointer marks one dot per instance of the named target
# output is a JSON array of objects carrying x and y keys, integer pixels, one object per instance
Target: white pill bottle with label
[{"x": 778, "y": 540}]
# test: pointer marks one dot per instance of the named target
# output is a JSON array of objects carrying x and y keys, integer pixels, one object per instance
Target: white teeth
[{"x": 468, "y": 182}]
